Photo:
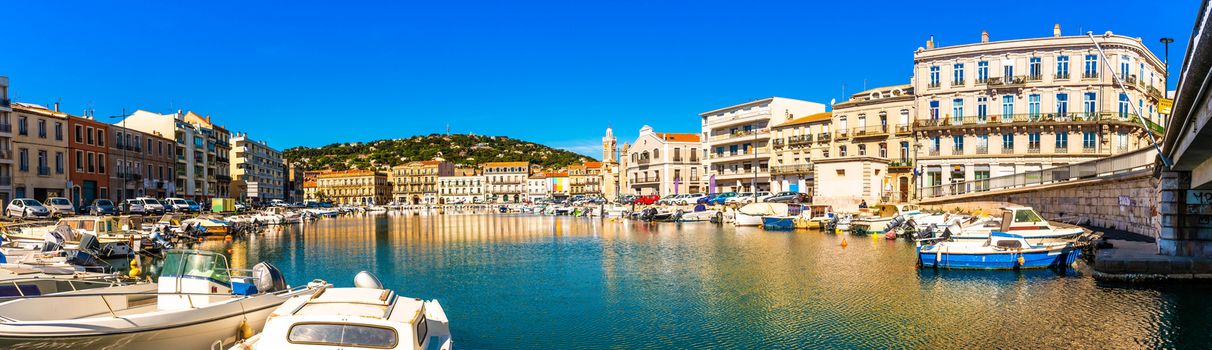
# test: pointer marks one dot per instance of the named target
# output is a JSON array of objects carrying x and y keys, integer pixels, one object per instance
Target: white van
[{"x": 178, "y": 205}]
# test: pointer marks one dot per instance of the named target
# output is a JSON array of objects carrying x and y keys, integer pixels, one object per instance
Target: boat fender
[
  {"x": 1020, "y": 261},
  {"x": 134, "y": 269},
  {"x": 844, "y": 243},
  {"x": 245, "y": 330}
]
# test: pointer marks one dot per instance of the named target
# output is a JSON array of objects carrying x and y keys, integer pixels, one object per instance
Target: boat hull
[
  {"x": 778, "y": 223},
  {"x": 1008, "y": 260},
  {"x": 742, "y": 219}
]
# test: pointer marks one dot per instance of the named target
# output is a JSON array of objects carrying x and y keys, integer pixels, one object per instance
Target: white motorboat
[
  {"x": 366, "y": 316},
  {"x": 751, "y": 214},
  {"x": 197, "y": 303},
  {"x": 1019, "y": 220},
  {"x": 876, "y": 219}
]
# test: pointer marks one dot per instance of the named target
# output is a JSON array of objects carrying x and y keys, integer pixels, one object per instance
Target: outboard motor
[
  {"x": 267, "y": 278},
  {"x": 365, "y": 279},
  {"x": 53, "y": 241},
  {"x": 159, "y": 240}
]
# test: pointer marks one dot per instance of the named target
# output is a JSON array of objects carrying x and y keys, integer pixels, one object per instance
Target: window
[
  {"x": 934, "y": 110},
  {"x": 90, "y": 135},
  {"x": 1125, "y": 66},
  {"x": 118, "y": 136},
  {"x": 23, "y": 159},
  {"x": 957, "y": 110},
  {"x": 935, "y": 144},
  {"x": 982, "y": 143},
  {"x": 59, "y": 131},
  {"x": 1007, "y": 107},
  {"x": 934, "y": 76},
  {"x": 1033, "y": 140},
  {"x": 1062, "y": 104},
  {"x": 1062, "y": 67},
  {"x": 841, "y": 151},
  {"x": 958, "y": 141},
  {"x": 1033, "y": 105},
  {"x": 862, "y": 150},
  {"x": 41, "y": 128},
  {"x": 1091, "y": 68},
  {"x": 79, "y": 134},
  {"x": 1089, "y": 103},
  {"x": 22, "y": 126},
  {"x": 1089, "y": 140},
  {"x": 100, "y": 137},
  {"x": 58, "y": 162},
  {"x": 1123, "y": 105},
  {"x": 92, "y": 165},
  {"x": 883, "y": 150},
  {"x": 957, "y": 74},
  {"x": 42, "y": 168},
  {"x": 1062, "y": 140},
  {"x": 79, "y": 161},
  {"x": 1035, "y": 69},
  {"x": 982, "y": 72},
  {"x": 982, "y": 107},
  {"x": 1007, "y": 72},
  {"x": 1121, "y": 141}
]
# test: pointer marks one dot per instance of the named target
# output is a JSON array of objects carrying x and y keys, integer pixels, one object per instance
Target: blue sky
[{"x": 313, "y": 73}]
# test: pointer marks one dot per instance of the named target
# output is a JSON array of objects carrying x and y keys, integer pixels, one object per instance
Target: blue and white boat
[
  {"x": 778, "y": 223},
  {"x": 1001, "y": 251},
  {"x": 1019, "y": 220}
]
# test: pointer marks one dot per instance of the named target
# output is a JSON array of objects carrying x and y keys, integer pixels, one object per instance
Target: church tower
[{"x": 610, "y": 152}]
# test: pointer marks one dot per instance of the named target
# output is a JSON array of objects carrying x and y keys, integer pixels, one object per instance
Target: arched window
[{"x": 656, "y": 154}]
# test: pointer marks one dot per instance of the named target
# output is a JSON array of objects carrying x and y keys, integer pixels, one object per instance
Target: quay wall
[{"x": 1125, "y": 201}]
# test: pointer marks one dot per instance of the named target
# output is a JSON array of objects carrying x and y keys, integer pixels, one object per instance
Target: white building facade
[
  {"x": 461, "y": 189},
  {"x": 664, "y": 164},
  {"x": 736, "y": 141}
]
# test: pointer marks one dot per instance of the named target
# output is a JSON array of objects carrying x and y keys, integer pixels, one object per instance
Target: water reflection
[{"x": 513, "y": 281}]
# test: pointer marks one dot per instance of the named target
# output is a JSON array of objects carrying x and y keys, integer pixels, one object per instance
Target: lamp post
[
  {"x": 122, "y": 191},
  {"x": 1166, "y": 76}
]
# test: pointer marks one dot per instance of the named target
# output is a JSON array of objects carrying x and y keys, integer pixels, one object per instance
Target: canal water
[{"x": 535, "y": 282}]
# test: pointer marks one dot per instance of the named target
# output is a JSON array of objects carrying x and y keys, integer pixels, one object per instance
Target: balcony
[
  {"x": 934, "y": 152},
  {"x": 739, "y": 155},
  {"x": 957, "y": 151},
  {"x": 1062, "y": 76},
  {"x": 43, "y": 171},
  {"x": 738, "y": 118},
  {"x": 870, "y": 131},
  {"x": 6, "y": 128},
  {"x": 1061, "y": 150},
  {"x": 1090, "y": 75},
  {"x": 823, "y": 137},
  {"x": 6, "y": 103},
  {"x": 903, "y": 130},
  {"x": 799, "y": 140},
  {"x": 223, "y": 178},
  {"x": 982, "y": 150},
  {"x": 996, "y": 120},
  {"x": 747, "y": 134},
  {"x": 799, "y": 169},
  {"x": 841, "y": 135},
  {"x": 1089, "y": 149},
  {"x": 778, "y": 143},
  {"x": 1033, "y": 149},
  {"x": 1007, "y": 150}
]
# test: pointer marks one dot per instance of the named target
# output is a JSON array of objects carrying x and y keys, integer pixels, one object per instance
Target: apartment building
[
  {"x": 141, "y": 164},
  {"x": 586, "y": 179},
  {"x": 736, "y": 141},
  {"x": 461, "y": 188},
  {"x": 506, "y": 181},
  {"x": 996, "y": 108},
  {"x": 353, "y": 187},
  {"x": 538, "y": 187},
  {"x": 190, "y": 158},
  {"x": 796, "y": 144},
  {"x": 41, "y": 152},
  {"x": 6, "y": 144},
  {"x": 871, "y": 150},
  {"x": 216, "y": 149},
  {"x": 87, "y": 173},
  {"x": 257, "y": 169},
  {"x": 664, "y": 163},
  {"x": 417, "y": 182}
]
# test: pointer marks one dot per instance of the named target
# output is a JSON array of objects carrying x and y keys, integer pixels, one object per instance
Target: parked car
[
  {"x": 100, "y": 206},
  {"x": 625, "y": 199},
  {"x": 241, "y": 207},
  {"x": 719, "y": 199},
  {"x": 648, "y": 199},
  {"x": 740, "y": 198},
  {"x": 178, "y": 205},
  {"x": 194, "y": 207},
  {"x": 690, "y": 199},
  {"x": 152, "y": 206},
  {"x": 26, "y": 208},
  {"x": 59, "y": 206},
  {"x": 669, "y": 200},
  {"x": 707, "y": 199},
  {"x": 133, "y": 206},
  {"x": 788, "y": 197},
  {"x": 761, "y": 196}
]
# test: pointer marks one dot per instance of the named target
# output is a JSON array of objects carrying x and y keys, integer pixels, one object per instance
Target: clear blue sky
[{"x": 299, "y": 73}]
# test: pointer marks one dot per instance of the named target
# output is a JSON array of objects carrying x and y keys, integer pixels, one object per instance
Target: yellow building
[
  {"x": 417, "y": 182},
  {"x": 353, "y": 187},
  {"x": 586, "y": 179},
  {"x": 871, "y": 150},
  {"x": 797, "y": 144}
]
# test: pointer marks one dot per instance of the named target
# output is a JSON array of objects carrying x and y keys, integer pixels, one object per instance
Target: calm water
[{"x": 528, "y": 282}]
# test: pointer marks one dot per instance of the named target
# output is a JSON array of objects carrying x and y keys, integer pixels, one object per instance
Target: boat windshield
[
  {"x": 335, "y": 334},
  {"x": 1026, "y": 216},
  {"x": 196, "y": 264}
]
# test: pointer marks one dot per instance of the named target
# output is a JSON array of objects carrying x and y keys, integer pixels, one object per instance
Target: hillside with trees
[{"x": 461, "y": 149}]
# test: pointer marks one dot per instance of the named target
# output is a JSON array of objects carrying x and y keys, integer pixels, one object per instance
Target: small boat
[
  {"x": 1019, "y": 220},
  {"x": 699, "y": 215},
  {"x": 1000, "y": 251},
  {"x": 196, "y": 303},
  {"x": 778, "y": 223},
  {"x": 365, "y": 316},
  {"x": 752, "y": 214},
  {"x": 875, "y": 220}
]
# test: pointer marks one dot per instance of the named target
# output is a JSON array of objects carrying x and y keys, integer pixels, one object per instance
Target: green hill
[{"x": 463, "y": 150}]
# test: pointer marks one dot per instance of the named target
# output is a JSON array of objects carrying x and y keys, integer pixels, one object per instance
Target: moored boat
[
  {"x": 1000, "y": 251},
  {"x": 196, "y": 303}
]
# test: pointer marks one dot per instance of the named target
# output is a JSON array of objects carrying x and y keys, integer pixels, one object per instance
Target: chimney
[
  {"x": 930, "y": 43},
  {"x": 56, "y": 106},
  {"x": 984, "y": 36},
  {"x": 1056, "y": 30}
]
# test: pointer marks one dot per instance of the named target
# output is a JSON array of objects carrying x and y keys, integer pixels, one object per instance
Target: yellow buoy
[
  {"x": 844, "y": 244},
  {"x": 134, "y": 269},
  {"x": 245, "y": 330}
]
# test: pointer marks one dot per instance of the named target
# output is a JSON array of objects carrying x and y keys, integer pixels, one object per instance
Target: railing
[
  {"x": 1033, "y": 150},
  {"x": 1090, "y": 75},
  {"x": 739, "y": 116},
  {"x": 4, "y": 102},
  {"x": 8, "y": 128},
  {"x": 739, "y": 133},
  {"x": 823, "y": 137},
  {"x": 43, "y": 171},
  {"x": 1029, "y": 118},
  {"x": 903, "y": 129},
  {"x": 1089, "y": 149},
  {"x": 982, "y": 150},
  {"x": 6, "y": 180},
  {"x": 870, "y": 131},
  {"x": 934, "y": 152},
  {"x": 1139, "y": 159},
  {"x": 1035, "y": 77},
  {"x": 741, "y": 153},
  {"x": 801, "y": 139},
  {"x": 791, "y": 169},
  {"x": 1061, "y": 76},
  {"x": 1061, "y": 150},
  {"x": 957, "y": 151},
  {"x": 841, "y": 135}
]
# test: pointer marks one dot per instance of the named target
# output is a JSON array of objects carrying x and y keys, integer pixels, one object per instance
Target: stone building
[
  {"x": 871, "y": 154},
  {"x": 353, "y": 187},
  {"x": 996, "y": 108},
  {"x": 41, "y": 146},
  {"x": 664, "y": 163},
  {"x": 506, "y": 181},
  {"x": 737, "y": 141},
  {"x": 417, "y": 182},
  {"x": 797, "y": 144}
]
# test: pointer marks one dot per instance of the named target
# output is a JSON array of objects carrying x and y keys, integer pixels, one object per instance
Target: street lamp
[
  {"x": 122, "y": 191},
  {"x": 1166, "y": 76}
]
